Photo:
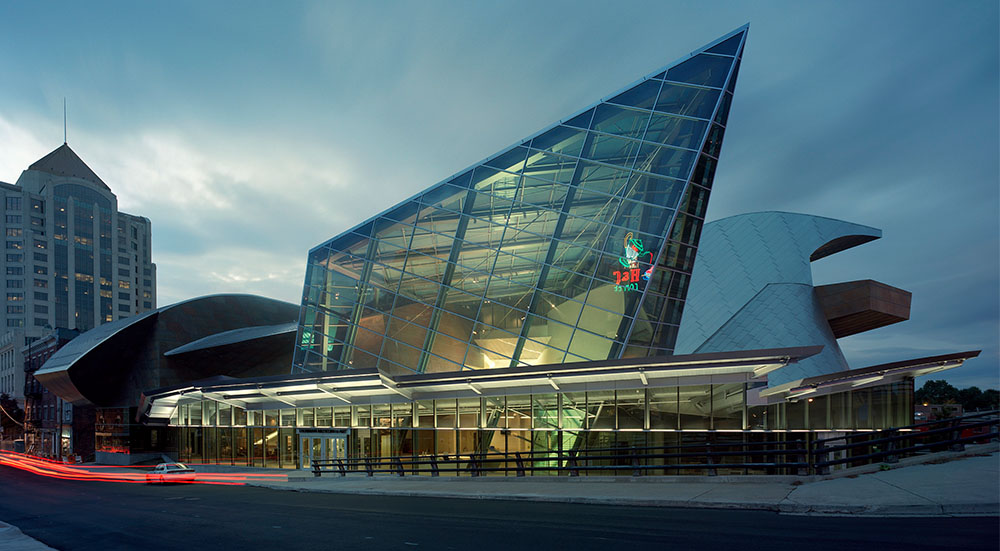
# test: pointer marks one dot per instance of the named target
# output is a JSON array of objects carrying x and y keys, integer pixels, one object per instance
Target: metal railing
[
  {"x": 705, "y": 458},
  {"x": 889, "y": 445},
  {"x": 800, "y": 457}
]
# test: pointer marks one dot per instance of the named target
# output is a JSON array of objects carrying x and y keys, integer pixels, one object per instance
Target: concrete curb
[
  {"x": 784, "y": 507},
  {"x": 12, "y": 539},
  {"x": 535, "y": 497},
  {"x": 962, "y": 489}
]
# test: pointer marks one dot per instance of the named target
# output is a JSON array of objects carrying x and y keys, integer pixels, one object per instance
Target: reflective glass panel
[
  {"x": 702, "y": 69},
  {"x": 690, "y": 101}
]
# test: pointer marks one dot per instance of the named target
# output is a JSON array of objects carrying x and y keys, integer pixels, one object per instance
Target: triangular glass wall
[{"x": 576, "y": 244}]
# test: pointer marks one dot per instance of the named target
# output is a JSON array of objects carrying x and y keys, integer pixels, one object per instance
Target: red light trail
[{"x": 130, "y": 475}]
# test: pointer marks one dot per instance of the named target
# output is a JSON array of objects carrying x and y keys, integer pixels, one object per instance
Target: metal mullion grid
[
  {"x": 445, "y": 285},
  {"x": 694, "y": 166},
  {"x": 643, "y": 142},
  {"x": 630, "y": 108},
  {"x": 544, "y": 271},
  {"x": 316, "y": 308},
  {"x": 593, "y": 280},
  {"x": 491, "y": 276},
  {"x": 654, "y": 110},
  {"x": 363, "y": 284},
  {"x": 706, "y": 86},
  {"x": 644, "y": 172}
]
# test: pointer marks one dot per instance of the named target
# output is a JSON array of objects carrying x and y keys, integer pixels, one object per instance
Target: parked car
[{"x": 170, "y": 472}]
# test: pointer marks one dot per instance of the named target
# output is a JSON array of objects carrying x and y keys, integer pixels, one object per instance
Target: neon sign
[{"x": 628, "y": 279}]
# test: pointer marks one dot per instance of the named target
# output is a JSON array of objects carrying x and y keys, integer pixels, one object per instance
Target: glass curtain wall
[
  {"x": 576, "y": 244},
  {"x": 550, "y": 423}
]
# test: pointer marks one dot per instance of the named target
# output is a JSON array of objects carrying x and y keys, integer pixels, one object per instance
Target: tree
[
  {"x": 11, "y": 417},
  {"x": 936, "y": 392},
  {"x": 972, "y": 398}
]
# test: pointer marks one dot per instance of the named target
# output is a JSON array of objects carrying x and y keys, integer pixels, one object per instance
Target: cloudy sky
[{"x": 251, "y": 132}]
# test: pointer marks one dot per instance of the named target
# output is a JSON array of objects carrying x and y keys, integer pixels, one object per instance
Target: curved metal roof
[
  {"x": 111, "y": 364},
  {"x": 235, "y": 336},
  {"x": 740, "y": 255}
]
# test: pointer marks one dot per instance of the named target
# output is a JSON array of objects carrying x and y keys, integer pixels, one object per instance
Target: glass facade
[
  {"x": 576, "y": 244},
  {"x": 212, "y": 432}
]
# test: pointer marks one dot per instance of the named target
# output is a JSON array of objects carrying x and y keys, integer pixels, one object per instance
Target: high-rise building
[{"x": 71, "y": 258}]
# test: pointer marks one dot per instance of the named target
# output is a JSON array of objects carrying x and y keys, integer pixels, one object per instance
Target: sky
[{"x": 250, "y": 132}]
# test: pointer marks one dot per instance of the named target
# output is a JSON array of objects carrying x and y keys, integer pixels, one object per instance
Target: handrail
[
  {"x": 794, "y": 454},
  {"x": 801, "y": 456},
  {"x": 965, "y": 440},
  {"x": 890, "y": 444},
  {"x": 898, "y": 437},
  {"x": 914, "y": 426}
]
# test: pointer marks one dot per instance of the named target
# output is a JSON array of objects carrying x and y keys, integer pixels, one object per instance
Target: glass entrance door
[{"x": 321, "y": 447}]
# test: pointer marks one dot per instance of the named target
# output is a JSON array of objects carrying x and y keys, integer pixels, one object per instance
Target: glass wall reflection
[{"x": 549, "y": 423}]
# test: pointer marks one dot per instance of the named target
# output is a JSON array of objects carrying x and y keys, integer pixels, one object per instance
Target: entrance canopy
[
  {"x": 864, "y": 377},
  {"x": 370, "y": 386}
]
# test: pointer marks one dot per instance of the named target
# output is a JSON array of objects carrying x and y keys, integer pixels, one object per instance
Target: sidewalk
[
  {"x": 945, "y": 484},
  {"x": 11, "y": 539}
]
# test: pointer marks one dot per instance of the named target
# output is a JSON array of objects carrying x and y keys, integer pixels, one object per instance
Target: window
[
  {"x": 15, "y": 245},
  {"x": 15, "y": 270},
  {"x": 11, "y": 322},
  {"x": 37, "y": 205},
  {"x": 15, "y": 296},
  {"x": 14, "y": 232},
  {"x": 15, "y": 284},
  {"x": 147, "y": 272},
  {"x": 124, "y": 296},
  {"x": 124, "y": 308},
  {"x": 123, "y": 284},
  {"x": 147, "y": 283},
  {"x": 40, "y": 244},
  {"x": 15, "y": 309},
  {"x": 15, "y": 258},
  {"x": 35, "y": 221},
  {"x": 13, "y": 203},
  {"x": 41, "y": 309},
  {"x": 41, "y": 322},
  {"x": 13, "y": 218},
  {"x": 41, "y": 284},
  {"x": 122, "y": 272},
  {"x": 147, "y": 305},
  {"x": 41, "y": 257},
  {"x": 41, "y": 296},
  {"x": 123, "y": 260},
  {"x": 42, "y": 270}
]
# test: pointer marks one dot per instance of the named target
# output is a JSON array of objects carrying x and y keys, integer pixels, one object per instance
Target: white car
[{"x": 170, "y": 472}]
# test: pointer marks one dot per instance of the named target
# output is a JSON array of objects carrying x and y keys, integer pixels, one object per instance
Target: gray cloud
[{"x": 249, "y": 136}]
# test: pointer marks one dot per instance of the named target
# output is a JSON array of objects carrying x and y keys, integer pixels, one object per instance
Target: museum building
[{"x": 562, "y": 295}]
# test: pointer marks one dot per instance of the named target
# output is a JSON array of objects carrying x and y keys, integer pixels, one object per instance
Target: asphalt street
[{"x": 74, "y": 515}]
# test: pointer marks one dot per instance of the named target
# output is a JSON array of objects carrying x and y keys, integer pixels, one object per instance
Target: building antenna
[{"x": 64, "y": 120}]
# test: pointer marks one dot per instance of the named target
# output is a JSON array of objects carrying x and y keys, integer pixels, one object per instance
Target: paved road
[{"x": 98, "y": 515}]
